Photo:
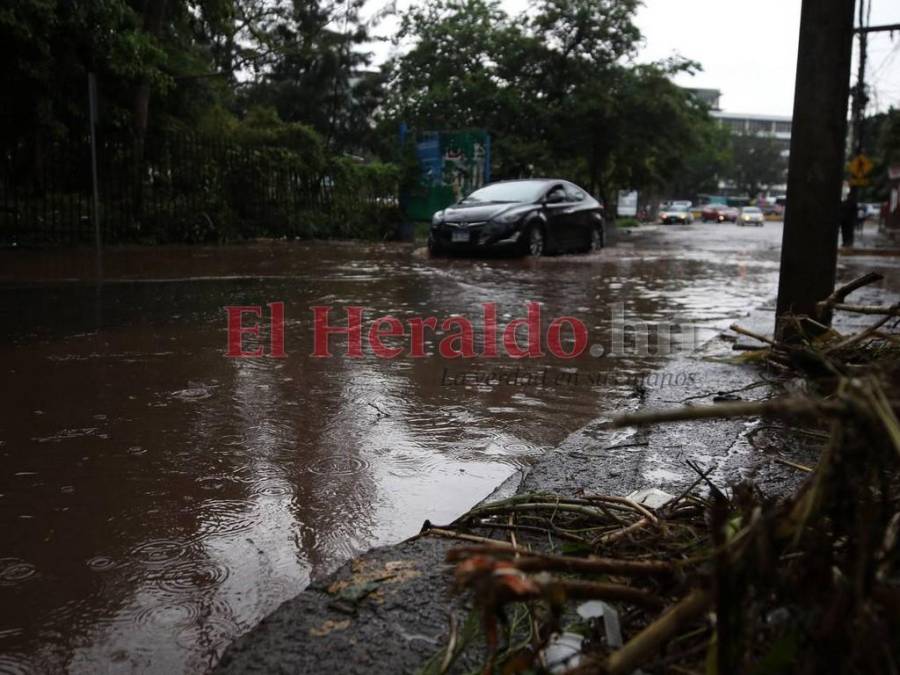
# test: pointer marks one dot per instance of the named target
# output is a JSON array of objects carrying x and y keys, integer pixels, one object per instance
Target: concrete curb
[{"x": 388, "y": 610}]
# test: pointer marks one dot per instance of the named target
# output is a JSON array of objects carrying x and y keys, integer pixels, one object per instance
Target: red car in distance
[{"x": 719, "y": 213}]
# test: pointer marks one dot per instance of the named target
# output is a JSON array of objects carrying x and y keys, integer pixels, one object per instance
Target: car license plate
[{"x": 460, "y": 236}]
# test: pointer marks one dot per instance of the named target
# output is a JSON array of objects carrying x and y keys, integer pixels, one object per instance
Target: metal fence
[{"x": 179, "y": 188}]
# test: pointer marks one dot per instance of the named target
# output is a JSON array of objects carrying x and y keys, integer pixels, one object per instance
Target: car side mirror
[{"x": 555, "y": 198}]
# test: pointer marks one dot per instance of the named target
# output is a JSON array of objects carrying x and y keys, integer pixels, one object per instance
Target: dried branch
[
  {"x": 841, "y": 293},
  {"x": 779, "y": 407},
  {"x": 541, "y": 562},
  {"x": 756, "y": 336}
]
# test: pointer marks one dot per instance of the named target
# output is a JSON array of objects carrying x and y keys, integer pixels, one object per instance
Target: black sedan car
[{"x": 527, "y": 217}]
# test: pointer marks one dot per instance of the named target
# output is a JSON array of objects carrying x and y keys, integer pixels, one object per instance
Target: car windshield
[
  {"x": 751, "y": 209},
  {"x": 513, "y": 191},
  {"x": 678, "y": 208}
]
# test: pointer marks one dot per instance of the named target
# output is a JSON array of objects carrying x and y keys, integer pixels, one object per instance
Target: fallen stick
[
  {"x": 864, "y": 335},
  {"x": 867, "y": 309},
  {"x": 555, "y": 532},
  {"x": 599, "y": 590},
  {"x": 553, "y": 507},
  {"x": 611, "y": 537},
  {"x": 543, "y": 562},
  {"x": 625, "y": 502},
  {"x": 891, "y": 337},
  {"x": 781, "y": 407},
  {"x": 751, "y": 334},
  {"x": 669, "y": 507},
  {"x": 841, "y": 292},
  {"x": 451, "y": 647},
  {"x": 462, "y": 536},
  {"x": 795, "y": 465}
]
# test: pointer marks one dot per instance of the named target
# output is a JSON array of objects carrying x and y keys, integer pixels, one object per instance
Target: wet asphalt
[{"x": 404, "y": 625}]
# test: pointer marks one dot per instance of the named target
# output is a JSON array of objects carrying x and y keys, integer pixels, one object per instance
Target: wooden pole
[{"x": 816, "y": 167}]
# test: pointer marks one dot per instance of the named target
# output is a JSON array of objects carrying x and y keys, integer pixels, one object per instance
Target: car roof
[{"x": 526, "y": 180}]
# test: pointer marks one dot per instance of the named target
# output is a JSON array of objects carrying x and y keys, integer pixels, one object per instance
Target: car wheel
[
  {"x": 434, "y": 248},
  {"x": 598, "y": 237},
  {"x": 536, "y": 244}
]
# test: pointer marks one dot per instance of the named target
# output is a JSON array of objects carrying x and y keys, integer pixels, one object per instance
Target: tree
[
  {"x": 555, "y": 88},
  {"x": 708, "y": 160},
  {"x": 882, "y": 144},
  {"x": 319, "y": 74},
  {"x": 757, "y": 163}
]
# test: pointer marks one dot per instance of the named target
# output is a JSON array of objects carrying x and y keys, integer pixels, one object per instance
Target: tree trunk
[{"x": 154, "y": 16}]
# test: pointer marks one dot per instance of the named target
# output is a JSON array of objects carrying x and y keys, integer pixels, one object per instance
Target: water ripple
[
  {"x": 226, "y": 516},
  {"x": 159, "y": 551},
  {"x": 192, "y": 576},
  {"x": 15, "y": 570},
  {"x": 338, "y": 465},
  {"x": 102, "y": 563},
  {"x": 16, "y": 664}
]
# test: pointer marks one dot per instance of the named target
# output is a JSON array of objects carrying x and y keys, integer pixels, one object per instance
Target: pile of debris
[{"x": 715, "y": 580}]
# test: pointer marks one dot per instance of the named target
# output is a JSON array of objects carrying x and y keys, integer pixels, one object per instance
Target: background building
[
  {"x": 708, "y": 96},
  {"x": 773, "y": 126}
]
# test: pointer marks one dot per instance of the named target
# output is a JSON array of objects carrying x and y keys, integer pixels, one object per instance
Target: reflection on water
[{"x": 157, "y": 498}]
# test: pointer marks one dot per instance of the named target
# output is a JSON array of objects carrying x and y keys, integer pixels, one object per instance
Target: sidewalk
[
  {"x": 389, "y": 610},
  {"x": 873, "y": 241}
]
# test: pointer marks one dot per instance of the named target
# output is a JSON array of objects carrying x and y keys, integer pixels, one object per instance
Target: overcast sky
[{"x": 748, "y": 48}]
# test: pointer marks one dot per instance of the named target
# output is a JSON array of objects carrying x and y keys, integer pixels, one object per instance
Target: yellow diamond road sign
[{"x": 859, "y": 167}]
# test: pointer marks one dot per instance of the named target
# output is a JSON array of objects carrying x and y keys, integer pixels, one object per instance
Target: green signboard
[{"x": 452, "y": 164}]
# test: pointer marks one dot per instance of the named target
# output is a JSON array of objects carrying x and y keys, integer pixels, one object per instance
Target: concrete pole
[{"x": 816, "y": 167}]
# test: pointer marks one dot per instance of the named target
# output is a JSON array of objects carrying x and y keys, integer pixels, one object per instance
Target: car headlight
[
  {"x": 508, "y": 217},
  {"x": 437, "y": 218}
]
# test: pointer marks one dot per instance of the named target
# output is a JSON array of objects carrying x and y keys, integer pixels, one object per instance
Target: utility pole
[
  {"x": 816, "y": 167},
  {"x": 858, "y": 114},
  {"x": 859, "y": 94}
]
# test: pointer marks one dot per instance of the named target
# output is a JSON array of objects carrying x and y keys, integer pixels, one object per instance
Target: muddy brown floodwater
[{"x": 157, "y": 499}]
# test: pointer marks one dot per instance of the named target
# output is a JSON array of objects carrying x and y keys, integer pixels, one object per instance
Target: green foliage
[
  {"x": 553, "y": 86},
  {"x": 289, "y": 84},
  {"x": 882, "y": 144},
  {"x": 245, "y": 189},
  {"x": 757, "y": 163},
  {"x": 263, "y": 127},
  {"x": 705, "y": 162}
]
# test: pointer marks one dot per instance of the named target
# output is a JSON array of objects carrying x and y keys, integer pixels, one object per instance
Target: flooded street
[{"x": 157, "y": 498}]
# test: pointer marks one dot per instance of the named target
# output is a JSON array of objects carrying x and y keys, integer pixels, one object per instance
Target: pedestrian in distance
[{"x": 847, "y": 222}]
